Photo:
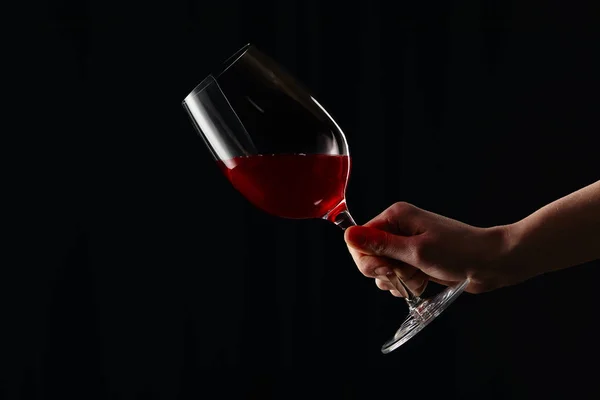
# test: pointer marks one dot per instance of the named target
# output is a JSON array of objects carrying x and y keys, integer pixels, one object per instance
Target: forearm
[{"x": 561, "y": 234}]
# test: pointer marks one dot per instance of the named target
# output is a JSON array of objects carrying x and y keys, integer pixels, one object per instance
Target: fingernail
[{"x": 382, "y": 271}]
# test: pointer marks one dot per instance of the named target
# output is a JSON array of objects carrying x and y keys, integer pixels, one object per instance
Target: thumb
[{"x": 373, "y": 241}]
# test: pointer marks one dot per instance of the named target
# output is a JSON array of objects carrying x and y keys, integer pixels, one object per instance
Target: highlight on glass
[{"x": 286, "y": 155}]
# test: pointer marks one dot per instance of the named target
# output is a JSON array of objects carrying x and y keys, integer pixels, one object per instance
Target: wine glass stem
[{"x": 344, "y": 220}]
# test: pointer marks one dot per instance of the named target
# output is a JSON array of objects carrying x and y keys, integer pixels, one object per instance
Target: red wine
[{"x": 290, "y": 185}]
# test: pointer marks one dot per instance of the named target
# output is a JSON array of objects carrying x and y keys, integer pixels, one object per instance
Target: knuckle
[
  {"x": 373, "y": 265},
  {"x": 379, "y": 246},
  {"x": 367, "y": 265},
  {"x": 401, "y": 208}
]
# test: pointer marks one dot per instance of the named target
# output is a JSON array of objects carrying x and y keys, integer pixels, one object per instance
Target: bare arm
[{"x": 561, "y": 234}]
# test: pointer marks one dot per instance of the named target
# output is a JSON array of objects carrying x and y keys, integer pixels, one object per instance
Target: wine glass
[{"x": 283, "y": 151}]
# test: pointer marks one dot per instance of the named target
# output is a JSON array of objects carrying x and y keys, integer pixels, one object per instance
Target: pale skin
[{"x": 423, "y": 246}]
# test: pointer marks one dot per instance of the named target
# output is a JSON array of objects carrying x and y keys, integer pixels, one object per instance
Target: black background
[{"x": 140, "y": 273}]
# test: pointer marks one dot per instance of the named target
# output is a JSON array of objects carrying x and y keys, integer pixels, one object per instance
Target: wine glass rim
[{"x": 211, "y": 78}]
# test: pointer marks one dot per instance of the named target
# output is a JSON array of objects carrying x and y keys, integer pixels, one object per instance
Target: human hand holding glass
[{"x": 282, "y": 150}]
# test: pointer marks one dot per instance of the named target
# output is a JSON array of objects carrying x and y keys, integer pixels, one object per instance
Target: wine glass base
[{"x": 421, "y": 315}]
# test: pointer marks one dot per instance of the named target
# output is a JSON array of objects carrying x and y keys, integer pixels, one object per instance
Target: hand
[{"x": 423, "y": 246}]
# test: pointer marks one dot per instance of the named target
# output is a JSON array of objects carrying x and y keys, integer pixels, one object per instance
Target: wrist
[
  {"x": 499, "y": 265},
  {"x": 512, "y": 262}
]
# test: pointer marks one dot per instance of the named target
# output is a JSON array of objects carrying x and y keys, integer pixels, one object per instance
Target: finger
[
  {"x": 416, "y": 284},
  {"x": 400, "y": 218},
  {"x": 384, "y": 284},
  {"x": 372, "y": 241},
  {"x": 417, "y": 292},
  {"x": 417, "y": 288},
  {"x": 373, "y": 266}
]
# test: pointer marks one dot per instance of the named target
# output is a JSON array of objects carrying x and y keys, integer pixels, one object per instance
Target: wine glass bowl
[
  {"x": 286, "y": 155},
  {"x": 275, "y": 143}
]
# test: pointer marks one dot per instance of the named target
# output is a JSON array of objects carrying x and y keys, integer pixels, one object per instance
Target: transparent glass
[{"x": 283, "y": 151}]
